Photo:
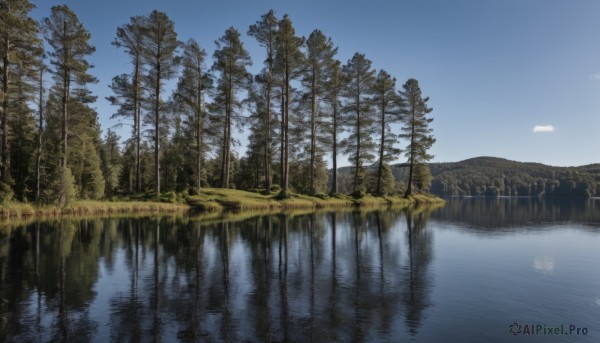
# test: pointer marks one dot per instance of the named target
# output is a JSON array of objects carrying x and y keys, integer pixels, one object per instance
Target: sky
[{"x": 513, "y": 79}]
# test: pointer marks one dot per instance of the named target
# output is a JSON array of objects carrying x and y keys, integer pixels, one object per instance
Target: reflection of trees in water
[
  {"x": 48, "y": 276},
  {"x": 418, "y": 283},
  {"x": 318, "y": 277},
  {"x": 483, "y": 214}
]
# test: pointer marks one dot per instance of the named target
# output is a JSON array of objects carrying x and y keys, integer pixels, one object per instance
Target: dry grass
[
  {"x": 16, "y": 210},
  {"x": 222, "y": 199},
  {"x": 215, "y": 200}
]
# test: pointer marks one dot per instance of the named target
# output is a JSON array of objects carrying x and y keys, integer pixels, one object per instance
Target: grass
[
  {"x": 84, "y": 207},
  {"x": 215, "y": 199}
]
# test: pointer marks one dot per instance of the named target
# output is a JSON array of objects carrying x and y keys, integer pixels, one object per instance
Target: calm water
[{"x": 463, "y": 273}]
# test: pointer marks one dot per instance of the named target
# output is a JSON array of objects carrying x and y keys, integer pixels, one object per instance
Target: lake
[{"x": 476, "y": 270}]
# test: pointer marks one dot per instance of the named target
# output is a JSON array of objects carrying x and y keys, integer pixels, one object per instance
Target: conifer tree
[
  {"x": 231, "y": 60},
  {"x": 359, "y": 116},
  {"x": 193, "y": 84},
  {"x": 387, "y": 103},
  {"x": 128, "y": 87},
  {"x": 335, "y": 86},
  {"x": 20, "y": 49},
  {"x": 319, "y": 57},
  {"x": 289, "y": 63},
  {"x": 416, "y": 129},
  {"x": 69, "y": 41},
  {"x": 265, "y": 33},
  {"x": 161, "y": 60}
]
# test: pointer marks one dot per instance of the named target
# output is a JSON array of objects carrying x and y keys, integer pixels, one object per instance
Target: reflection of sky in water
[{"x": 543, "y": 264}]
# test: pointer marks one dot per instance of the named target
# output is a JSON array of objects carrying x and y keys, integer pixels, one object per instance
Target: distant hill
[
  {"x": 497, "y": 176},
  {"x": 492, "y": 176}
]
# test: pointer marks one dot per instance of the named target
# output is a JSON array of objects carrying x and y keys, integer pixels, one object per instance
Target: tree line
[
  {"x": 302, "y": 108},
  {"x": 487, "y": 176}
]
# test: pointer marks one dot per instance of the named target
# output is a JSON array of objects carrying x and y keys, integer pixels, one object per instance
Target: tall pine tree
[
  {"x": 359, "y": 116},
  {"x": 161, "y": 60},
  {"x": 231, "y": 60},
  {"x": 128, "y": 87},
  {"x": 265, "y": 33},
  {"x": 193, "y": 84},
  {"x": 319, "y": 58},
  {"x": 20, "y": 49},
  {"x": 388, "y": 111},
  {"x": 416, "y": 128},
  {"x": 289, "y": 63}
]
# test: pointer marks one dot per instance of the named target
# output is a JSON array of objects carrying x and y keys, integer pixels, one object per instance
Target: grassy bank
[
  {"x": 216, "y": 199},
  {"x": 18, "y": 210}
]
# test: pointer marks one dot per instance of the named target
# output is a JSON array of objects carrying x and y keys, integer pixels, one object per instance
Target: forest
[
  {"x": 488, "y": 176},
  {"x": 305, "y": 108}
]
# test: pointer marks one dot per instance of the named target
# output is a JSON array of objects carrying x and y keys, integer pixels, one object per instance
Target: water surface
[{"x": 463, "y": 273}]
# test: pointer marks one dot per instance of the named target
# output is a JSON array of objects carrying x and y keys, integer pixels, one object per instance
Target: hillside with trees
[{"x": 490, "y": 176}]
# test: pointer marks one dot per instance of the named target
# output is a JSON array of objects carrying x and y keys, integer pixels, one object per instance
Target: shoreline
[{"x": 214, "y": 200}]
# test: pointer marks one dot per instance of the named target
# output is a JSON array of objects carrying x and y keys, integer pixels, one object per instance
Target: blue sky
[{"x": 494, "y": 70}]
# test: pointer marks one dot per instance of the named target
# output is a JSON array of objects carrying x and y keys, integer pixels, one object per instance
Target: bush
[
  {"x": 358, "y": 194},
  {"x": 284, "y": 195},
  {"x": 322, "y": 196},
  {"x": 62, "y": 189},
  {"x": 275, "y": 188},
  {"x": 6, "y": 193}
]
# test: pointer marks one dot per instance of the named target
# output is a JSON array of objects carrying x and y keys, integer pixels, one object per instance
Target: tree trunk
[
  {"x": 282, "y": 138},
  {"x": 199, "y": 129},
  {"x": 5, "y": 162},
  {"x": 156, "y": 127},
  {"x": 334, "y": 187},
  {"x": 412, "y": 156},
  {"x": 382, "y": 144},
  {"x": 285, "y": 129},
  {"x": 358, "y": 162},
  {"x": 65, "y": 95},
  {"x": 313, "y": 114},
  {"x": 137, "y": 123},
  {"x": 38, "y": 159},
  {"x": 268, "y": 126}
]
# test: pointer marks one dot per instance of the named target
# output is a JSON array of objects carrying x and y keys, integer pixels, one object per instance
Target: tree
[
  {"x": 40, "y": 129},
  {"x": 387, "y": 102},
  {"x": 189, "y": 97},
  {"x": 359, "y": 116},
  {"x": 335, "y": 86},
  {"x": 265, "y": 33},
  {"x": 128, "y": 88},
  {"x": 319, "y": 57},
  {"x": 289, "y": 61},
  {"x": 416, "y": 128},
  {"x": 69, "y": 41},
  {"x": 110, "y": 155},
  {"x": 160, "y": 58},
  {"x": 231, "y": 60},
  {"x": 20, "y": 49}
]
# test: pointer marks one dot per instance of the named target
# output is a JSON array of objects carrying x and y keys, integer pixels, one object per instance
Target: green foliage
[
  {"x": 85, "y": 163},
  {"x": 387, "y": 181},
  {"x": 416, "y": 128},
  {"x": 487, "y": 176},
  {"x": 231, "y": 60},
  {"x": 62, "y": 190},
  {"x": 422, "y": 177},
  {"x": 359, "y": 144},
  {"x": 6, "y": 193}
]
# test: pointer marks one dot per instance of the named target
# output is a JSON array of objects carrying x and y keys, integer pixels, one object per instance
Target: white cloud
[
  {"x": 543, "y": 128},
  {"x": 595, "y": 76}
]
